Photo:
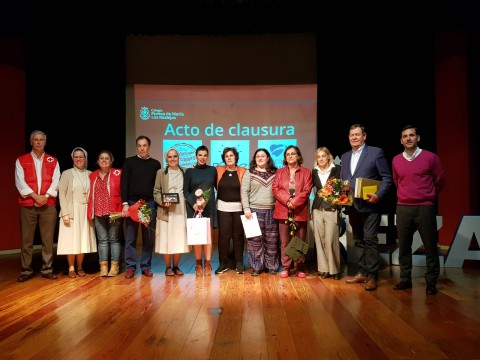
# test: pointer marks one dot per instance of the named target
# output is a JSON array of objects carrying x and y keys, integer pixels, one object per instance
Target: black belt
[{"x": 329, "y": 209}]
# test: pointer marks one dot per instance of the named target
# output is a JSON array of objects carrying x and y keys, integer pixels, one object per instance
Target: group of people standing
[
  {"x": 418, "y": 177},
  {"x": 278, "y": 197},
  {"x": 86, "y": 201}
]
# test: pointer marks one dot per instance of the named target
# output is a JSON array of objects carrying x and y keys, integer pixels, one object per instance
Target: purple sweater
[{"x": 419, "y": 181}]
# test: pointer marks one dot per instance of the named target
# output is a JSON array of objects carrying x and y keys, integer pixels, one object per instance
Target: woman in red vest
[{"x": 106, "y": 199}]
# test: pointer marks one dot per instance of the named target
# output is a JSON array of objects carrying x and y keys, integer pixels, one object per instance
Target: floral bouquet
[
  {"x": 337, "y": 192},
  {"x": 202, "y": 198},
  {"x": 138, "y": 212}
]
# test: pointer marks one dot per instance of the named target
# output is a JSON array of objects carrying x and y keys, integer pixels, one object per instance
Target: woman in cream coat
[
  {"x": 171, "y": 231},
  {"x": 76, "y": 233}
]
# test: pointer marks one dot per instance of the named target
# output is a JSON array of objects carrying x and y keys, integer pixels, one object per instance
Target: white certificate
[{"x": 251, "y": 227}]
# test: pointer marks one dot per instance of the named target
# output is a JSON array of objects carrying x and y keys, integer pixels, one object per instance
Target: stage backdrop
[
  {"x": 244, "y": 117},
  {"x": 260, "y": 80}
]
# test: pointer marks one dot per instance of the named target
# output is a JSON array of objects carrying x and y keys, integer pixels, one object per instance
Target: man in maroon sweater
[{"x": 419, "y": 178}]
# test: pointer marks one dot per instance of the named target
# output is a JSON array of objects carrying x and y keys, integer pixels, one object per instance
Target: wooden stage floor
[{"x": 233, "y": 316}]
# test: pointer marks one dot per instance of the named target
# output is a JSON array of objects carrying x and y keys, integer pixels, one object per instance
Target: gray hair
[
  {"x": 37, "y": 132},
  {"x": 165, "y": 155}
]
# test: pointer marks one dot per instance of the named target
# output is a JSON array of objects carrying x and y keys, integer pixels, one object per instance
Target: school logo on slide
[
  {"x": 158, "y": 114},
  {"x": 144, "y": 113},
  {"x": 277, "y": 148},
  {"x": 186, "y": 154},
  {"x": 186, "y": 151}
]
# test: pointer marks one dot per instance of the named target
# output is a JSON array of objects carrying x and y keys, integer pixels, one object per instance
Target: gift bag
[
  {"x": 199, "y": 231},
  {"x": 296, "y": 248}
]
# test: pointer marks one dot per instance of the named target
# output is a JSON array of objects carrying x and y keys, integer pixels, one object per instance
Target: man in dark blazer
[{"x": 369, "y": 162}]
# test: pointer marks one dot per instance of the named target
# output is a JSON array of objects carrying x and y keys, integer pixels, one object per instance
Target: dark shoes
[
  {"x": 24, "y": 277},
  {"x": 221, "y": 269},
  {"x": 240, "y": 268},
  {"x": 49, "y": 276},
  {"x": 358, "y": 279},
  {"x": 177, "y": 271},
  {"x": 147, "y": 272},
  {"x": 272, "y": 272},
  {"x": 129, "y": 273},
  {"x": 337, "y": 276},
  {"x": 255, "y": 273},
  {"x": 172, "y": 272},
  {"x": 326, "y": 275},
  {"x": 403, "y": 285}
]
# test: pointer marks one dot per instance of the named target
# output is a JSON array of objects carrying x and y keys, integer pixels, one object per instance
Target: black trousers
[
  {"x": 409, "y": 220},
  {"x": 230, "y": 228}
]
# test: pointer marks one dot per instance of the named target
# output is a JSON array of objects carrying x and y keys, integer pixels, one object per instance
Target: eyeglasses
[{"x": 290, "y": 154}]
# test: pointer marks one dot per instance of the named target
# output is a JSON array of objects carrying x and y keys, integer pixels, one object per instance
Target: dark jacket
[
  {"x": 371, "y": 165},
  {"x": 318, "y": 202}
]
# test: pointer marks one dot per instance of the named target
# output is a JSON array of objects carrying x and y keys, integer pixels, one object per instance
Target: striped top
[{"x": 256, "y": 190}]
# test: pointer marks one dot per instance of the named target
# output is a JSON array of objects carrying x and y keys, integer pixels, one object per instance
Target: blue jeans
[
  {"x": 148, "y": 240},
  {"x": 108, "y": 235}
]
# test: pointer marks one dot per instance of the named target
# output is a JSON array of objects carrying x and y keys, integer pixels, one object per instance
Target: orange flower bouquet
[{"x": 337, "y": 192}]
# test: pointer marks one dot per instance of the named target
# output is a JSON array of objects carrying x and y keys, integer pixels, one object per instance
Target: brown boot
[
  {"x": 371, "y": 284},
  {"x": 208, "y": 268},
  {"x": 114, "y": 269},
  {"x": 199, "y": 268},
  {"x": 103, "y": 268}
]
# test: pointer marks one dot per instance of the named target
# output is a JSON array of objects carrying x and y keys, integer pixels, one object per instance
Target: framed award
[{"x": 170, "y": 198}]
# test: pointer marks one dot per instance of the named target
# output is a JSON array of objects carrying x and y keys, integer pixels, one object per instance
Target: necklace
[
  {"x": 230, "y": 171},
  {"x": 292, "y": 176},
  {"x": 84, "y": 186}
]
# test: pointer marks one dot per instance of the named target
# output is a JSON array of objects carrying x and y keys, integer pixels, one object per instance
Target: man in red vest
[{"x": 36, "y": 178}]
